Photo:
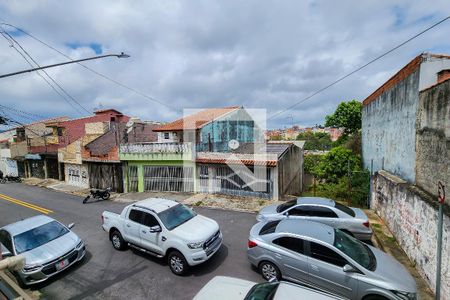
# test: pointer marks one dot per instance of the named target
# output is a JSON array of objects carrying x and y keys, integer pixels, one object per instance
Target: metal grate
[
  {"x": 132, "y": 178},
  {"x": 168, "y": 178},
  {"x": 224, "y": 180}
]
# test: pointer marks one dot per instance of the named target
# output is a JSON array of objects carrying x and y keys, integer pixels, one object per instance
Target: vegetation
[
  {"x": 338, "y": 173},
  {"x": 347, "y": 115},
  {"x": 315, "y": 141}
]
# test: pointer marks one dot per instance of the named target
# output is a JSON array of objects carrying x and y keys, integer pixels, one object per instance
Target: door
[
  {"x": 150, "y": 240},
  {"x": 326, "y": 271},
  {"x": 133, "y": 225},
  {"x": 292, "y": 258}
]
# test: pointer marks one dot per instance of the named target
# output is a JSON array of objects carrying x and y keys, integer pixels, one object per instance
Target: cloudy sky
[{"x": 199, "y": 54}]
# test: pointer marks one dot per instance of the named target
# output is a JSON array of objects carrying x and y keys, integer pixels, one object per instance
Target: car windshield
[
  {"x": 176, "y": 215},
  {"x": 262, "y": 291},
  {"x": 345, "y": 209},
  {"x": 355, "y": 249},
  {"x": 286, "y": 205},
  {"x": 38, "y": 236}
]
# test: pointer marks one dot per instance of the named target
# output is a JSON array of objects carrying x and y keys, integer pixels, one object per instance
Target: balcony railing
[{"x": 143, "y": 148}]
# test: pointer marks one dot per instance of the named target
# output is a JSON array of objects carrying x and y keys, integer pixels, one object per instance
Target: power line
[
  {"x": 92, "y": 70},
  {"x": 36, "y": 116},
  {"x": 12, "y": 41},
  {"x": 357, "y": 69}
]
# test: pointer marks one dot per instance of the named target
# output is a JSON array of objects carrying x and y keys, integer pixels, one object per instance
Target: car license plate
[{"x": 62, "y": 264}]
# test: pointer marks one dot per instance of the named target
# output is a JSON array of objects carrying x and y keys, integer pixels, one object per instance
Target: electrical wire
[
  {"x": 357, "y": 69},
  {"x": 66, "y": 94},
  {"x": 93, "y": 70}
]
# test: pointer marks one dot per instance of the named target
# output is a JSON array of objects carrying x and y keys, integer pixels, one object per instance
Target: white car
[
  {"x": 227, "y": 288},
  {"x": 164, "y": 228}
]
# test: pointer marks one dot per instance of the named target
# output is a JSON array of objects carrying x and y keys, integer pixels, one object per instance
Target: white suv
[{"x": 164, "y": 228}]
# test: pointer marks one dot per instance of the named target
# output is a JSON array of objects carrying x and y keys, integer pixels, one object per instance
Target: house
[
  {"x": 72, "y": 135},
  {"x": 29, "y": 150},
  {"x": 169, "y": 164},
  {"x": 102, "y": 153},
  {"x": 406, "y": 143},
  {"x": 190, "y": 156},
  {"x": 269, "y": 170}
]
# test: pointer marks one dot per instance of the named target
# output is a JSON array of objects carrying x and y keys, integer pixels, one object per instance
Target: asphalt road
[{"x": 109, "y": 274}]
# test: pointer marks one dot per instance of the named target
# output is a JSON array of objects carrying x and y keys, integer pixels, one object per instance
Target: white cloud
[{"x": 209, "y": 53}]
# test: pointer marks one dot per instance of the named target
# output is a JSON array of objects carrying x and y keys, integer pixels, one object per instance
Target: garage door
[{"x": 168, "y": 178}]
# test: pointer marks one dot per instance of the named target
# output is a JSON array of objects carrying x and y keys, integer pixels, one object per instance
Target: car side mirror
[
  {"x": 156, "y": 228},
  {"x": 70, "y": 226},
  {"x": 349, "y": 269},
  {"x": 5, "y": 252}
]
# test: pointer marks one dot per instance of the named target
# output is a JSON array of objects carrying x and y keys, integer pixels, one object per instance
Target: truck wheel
[
  {"x": 177, "y": 263},
  {"x": 117, "y": 240}
]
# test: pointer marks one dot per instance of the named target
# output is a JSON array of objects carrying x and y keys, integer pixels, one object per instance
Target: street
[{"x": 109, "y": 274}]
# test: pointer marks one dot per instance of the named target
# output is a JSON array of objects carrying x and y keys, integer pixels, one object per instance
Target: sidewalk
[
  {"x": 243, "y": 204},
  {"x": 57, "y": 185},
  {"x": 387, "y": 243}
]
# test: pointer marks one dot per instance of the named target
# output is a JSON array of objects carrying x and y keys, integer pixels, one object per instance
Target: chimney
[{"x": 443, "y": 75}]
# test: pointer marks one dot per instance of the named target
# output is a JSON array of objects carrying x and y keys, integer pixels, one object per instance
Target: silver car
[
  {"x": 48, "y": 246},
  {"x": 324, "y": 257},
  {"x": 348, "y": 219}
]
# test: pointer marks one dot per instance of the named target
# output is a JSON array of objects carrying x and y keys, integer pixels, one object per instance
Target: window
[
  {"x": 286, "y": 205},
  {"x": 345, "y": 209},
  {"x": 166, "y": 135},
  {"x": 290, "y": 243},
  {"x": 313, "y": 211},
  {"x": 38, "y": 236},
  {"x": 269, "y": 228},
  {"x": 265, "y": 290},
  {"x": 136, "y": 216},
  {"x": 5, "y": 239},
  {"x": 176, "y": 215},
  {"x": 325, "y": 254},
  {"x": 150, "y": 220},
  {"x": 60, "y": 131}
]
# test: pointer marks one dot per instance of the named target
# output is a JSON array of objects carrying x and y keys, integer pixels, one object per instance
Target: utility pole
[{"x": 441, "y": 199}]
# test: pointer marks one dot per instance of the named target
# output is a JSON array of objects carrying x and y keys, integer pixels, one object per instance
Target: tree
[
  {"x": 347, "y": 115},
  {"x": 336, "y": 163},
  {"x": 315, "y": 141}
]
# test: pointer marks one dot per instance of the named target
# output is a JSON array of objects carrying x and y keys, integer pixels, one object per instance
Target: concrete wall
[
  {"x": 433, "y": 138},
  {"x": 77, "y": 175},
  {"x": 412, "y": 215},
  {"x": 388, "y": 129},
  {"x": 290, "y": 172}
]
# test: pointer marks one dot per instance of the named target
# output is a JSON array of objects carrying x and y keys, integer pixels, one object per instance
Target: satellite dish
[{"x": 233, "y": 144}]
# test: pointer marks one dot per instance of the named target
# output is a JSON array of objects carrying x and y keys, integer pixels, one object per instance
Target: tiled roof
[
  {"x": 407, "y": 70},
  {"x": 269, "y": 160},
  {"x": 197, "y": 120}
]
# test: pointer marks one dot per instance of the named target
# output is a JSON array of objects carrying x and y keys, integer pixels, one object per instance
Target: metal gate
[
  {"x": 169, "y": 178},
  {"x": 132, "y": 179},
  {"x": 37, "y": 168},
  {"x": 245, "y": 182}
]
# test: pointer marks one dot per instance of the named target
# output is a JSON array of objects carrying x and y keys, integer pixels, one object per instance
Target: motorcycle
[
  {"x": 12, "y": 178},
  {"x": 98, "y": 194}
]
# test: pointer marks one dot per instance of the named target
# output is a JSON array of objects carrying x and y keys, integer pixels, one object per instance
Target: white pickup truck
[{"x": 164, "y": 228}]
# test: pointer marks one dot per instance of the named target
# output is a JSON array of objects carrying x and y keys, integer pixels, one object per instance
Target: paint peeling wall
[
  {"x": 433, "y": 138},
  {"x": 388, "y": 129},
  {"x": 412, "y": 217}
]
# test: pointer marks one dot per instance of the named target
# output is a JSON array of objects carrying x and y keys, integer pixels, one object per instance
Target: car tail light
[
  {"x": 251, "y": 244},
  {"x": 366, "y": 224}
]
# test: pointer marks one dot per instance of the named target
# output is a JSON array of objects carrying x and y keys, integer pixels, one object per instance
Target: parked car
[
  {"x": 226, "y": 288},
  {"x": 349, "y": 219},
  {"x": 48, "y": 246},
  {"x": 324, "y": 257},
  {"x": 164, "y": 228}
]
